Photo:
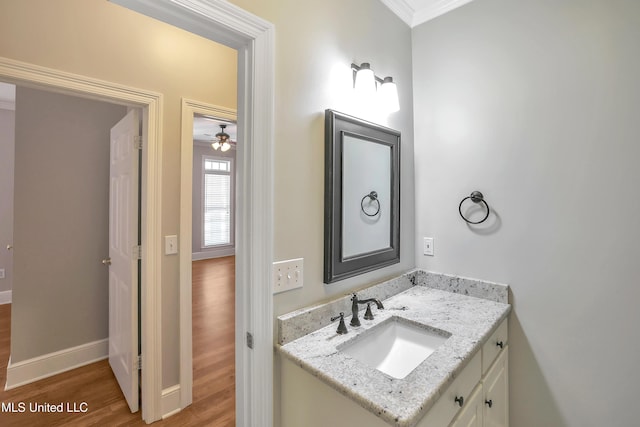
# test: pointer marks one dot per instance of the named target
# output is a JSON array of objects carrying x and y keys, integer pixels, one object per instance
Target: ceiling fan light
[
  {"x": 225, "y": 146},
  {"x": 216, "y": 145}
]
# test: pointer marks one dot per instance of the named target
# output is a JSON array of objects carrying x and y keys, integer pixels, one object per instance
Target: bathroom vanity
[{"x": 459, "y": 375}]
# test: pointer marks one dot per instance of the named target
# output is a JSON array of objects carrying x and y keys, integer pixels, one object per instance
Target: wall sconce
[{"x": 365, "y": 85}]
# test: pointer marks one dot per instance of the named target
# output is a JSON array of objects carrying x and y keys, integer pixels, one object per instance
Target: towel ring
[
  {"x": 476, "y": 197},
  {"x": 373, "y": 196}
]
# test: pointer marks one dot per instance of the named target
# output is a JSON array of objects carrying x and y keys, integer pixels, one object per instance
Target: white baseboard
[
  {"x": 5, "y": 297},
  {"x": 216, "y": 253},
  {"x": 170, "y": 403},
  {"x": 44, "y": 366}
]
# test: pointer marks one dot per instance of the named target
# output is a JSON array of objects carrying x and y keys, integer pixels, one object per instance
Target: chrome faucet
[{"x": 354, "y": 308}]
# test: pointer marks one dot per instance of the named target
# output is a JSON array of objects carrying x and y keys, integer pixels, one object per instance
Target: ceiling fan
[{"x": 223, "y": 141}]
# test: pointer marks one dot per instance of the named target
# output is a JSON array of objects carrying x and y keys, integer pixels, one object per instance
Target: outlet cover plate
[
  {"x": 170, "y": 245},
  {"x": 287, "y": 275},
  {"x": 428, "y": 246}
]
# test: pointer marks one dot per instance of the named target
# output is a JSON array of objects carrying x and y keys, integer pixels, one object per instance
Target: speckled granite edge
[
  {"x": 299, "y": 323},
  {"x": 462, "y": 285}
]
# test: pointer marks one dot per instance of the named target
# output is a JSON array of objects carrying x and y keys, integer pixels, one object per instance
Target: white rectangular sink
[{"x": 395, "y": 346}]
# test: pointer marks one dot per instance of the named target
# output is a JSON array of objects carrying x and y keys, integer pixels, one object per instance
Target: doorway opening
[
  {"x": 149, "y": 103},
  {"x": 209, "y": 369},
  {"x": 254, "y": 39},
  {"x": 65, "y": 230}
]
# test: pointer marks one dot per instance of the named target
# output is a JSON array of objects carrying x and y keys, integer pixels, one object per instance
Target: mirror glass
[{"x": 366, "y": 218}]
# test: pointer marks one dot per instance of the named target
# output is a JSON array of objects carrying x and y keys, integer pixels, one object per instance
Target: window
[{"x": 217, "y": 202}]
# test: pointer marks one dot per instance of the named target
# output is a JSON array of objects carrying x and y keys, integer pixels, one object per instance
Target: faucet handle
[
  {"x": 342, "y": 328},
  {"x": 368, "y": 314}
]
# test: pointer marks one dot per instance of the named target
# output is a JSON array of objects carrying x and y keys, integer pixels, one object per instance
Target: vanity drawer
[
  {"x": 494, "y": 345},
  {"x": 446, "y": 408}
]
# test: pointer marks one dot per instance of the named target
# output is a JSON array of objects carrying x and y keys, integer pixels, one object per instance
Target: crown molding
[
  {"x": 402, "y": 9},
  {"x": 435, "y": 9},
  {"x": 413, "y": 17}
]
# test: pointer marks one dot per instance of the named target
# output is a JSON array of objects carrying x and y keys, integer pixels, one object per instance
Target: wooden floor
[{"x": 213, "y": 368}]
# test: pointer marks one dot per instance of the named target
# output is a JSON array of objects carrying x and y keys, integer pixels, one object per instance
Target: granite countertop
[{"x": 402, "y": 402}]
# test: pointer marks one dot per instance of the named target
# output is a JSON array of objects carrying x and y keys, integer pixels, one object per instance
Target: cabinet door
[
  {"x": 496, "y": 392},
  {"x": 471, "y": 413}
]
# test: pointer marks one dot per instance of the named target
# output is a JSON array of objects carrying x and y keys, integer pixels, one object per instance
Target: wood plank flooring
[{"x": 213, "y": 368}]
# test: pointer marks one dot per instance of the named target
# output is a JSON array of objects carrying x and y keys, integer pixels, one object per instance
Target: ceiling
[
  {"x": 205, "y": 129},
  {"x": 416, "y": 12}
]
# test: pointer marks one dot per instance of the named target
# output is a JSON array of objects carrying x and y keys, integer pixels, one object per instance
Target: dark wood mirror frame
[{"x": 336, "y": 266}]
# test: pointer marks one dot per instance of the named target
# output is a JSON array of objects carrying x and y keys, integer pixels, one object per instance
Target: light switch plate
[
  {"x": 428, "y": 246},
  {"x": 170, "y": 245},
  {"x": 1, "y": 273},
  {"x": 287, "y": 275}
]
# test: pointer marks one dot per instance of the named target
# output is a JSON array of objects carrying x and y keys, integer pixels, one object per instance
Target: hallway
[{"x": 213, "y": 368}]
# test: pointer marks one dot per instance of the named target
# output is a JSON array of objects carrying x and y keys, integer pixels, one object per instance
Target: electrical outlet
[
  {"x": 287, "y": 275},
  {"x": 428, "y": 246}
]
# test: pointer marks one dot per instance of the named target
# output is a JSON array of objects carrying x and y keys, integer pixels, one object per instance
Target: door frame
[
  {"x": 189, "y": 108},
  {"x": 151, "y": 104},
  {"x": 254, "y": 39}
]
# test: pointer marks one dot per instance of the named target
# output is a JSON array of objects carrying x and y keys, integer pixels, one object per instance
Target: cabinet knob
[
  {"x": 489, "y": 403},
  {"x": 500, "y": 344},
  {"x": 459, "y": 400}
]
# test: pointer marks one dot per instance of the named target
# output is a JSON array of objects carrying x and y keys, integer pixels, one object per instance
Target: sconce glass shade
[
  {"x": 365, "y": 81},
  {"x": 389, "y": 95}
]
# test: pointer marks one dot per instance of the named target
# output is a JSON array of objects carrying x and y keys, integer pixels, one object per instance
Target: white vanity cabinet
[
  {"x": 488, "y": 405},
  {"x": 472, "y": 414},
  {"x": 495, "y": 391},
  {"x": 464, "y": 382}
]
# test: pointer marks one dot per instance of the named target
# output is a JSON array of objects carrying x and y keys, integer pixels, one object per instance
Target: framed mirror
[{"x": 362, "y": 196}]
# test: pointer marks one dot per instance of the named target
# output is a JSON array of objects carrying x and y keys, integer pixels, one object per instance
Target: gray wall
[
  {"x": 537, "y": 103},
  {"x": 315, "y": 44},
  {"x": 7, "y": 146},
  {"x": 200, "y": 150},
  {"x": 60, "y": 292}
]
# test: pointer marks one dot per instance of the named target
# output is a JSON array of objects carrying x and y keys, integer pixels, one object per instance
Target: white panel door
[{"x": 123, "y": 271}]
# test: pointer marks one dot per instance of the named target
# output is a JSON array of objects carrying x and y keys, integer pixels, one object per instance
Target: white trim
[
  {"x": 17, "y": 72},
  {"x": 254, "y": 38},
  {"x": 214, "y": 253},
  {"x": 437, "y": 8},
  {"x": 414, "y": 17},
  {"x": 170, "y": 401},
  {"x": 47, "y": 365},
  {"x": 5, "y": 297},
  {"x": 402, "y": 9}
]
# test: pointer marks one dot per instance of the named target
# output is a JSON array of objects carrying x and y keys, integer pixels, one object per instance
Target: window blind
[{"x": 217, "y": 204}]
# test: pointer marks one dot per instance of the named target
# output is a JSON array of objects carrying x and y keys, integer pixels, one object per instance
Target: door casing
[
  {"x": 22, "y": 73},
  {"x": 254, "y": 39}
]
